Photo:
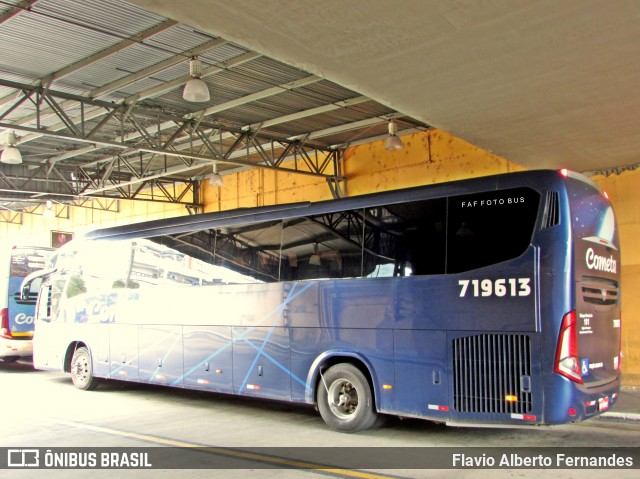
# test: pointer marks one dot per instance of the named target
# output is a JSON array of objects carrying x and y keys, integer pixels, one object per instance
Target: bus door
[
  {"x": 421, "y": 375},
  {"x": 45, "y": 354}
]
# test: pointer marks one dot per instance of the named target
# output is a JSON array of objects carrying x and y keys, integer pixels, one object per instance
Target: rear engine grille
[
  {"x": 599, "y": 291},
  {"x": 492, "y": 374}
]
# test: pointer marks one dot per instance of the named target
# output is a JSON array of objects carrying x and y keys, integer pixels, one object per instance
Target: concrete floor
[{"x": 43, "y": 409}]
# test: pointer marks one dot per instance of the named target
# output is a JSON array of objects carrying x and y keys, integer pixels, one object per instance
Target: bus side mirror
[{"x": 27, "y": 283}]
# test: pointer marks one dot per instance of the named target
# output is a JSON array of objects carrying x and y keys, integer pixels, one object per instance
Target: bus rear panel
[{"x": 589, "y": 353}]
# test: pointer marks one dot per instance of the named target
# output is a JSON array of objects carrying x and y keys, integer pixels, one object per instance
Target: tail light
[
  {"x": 5, "y": 332},
  {"x": 567, "y": 362}
]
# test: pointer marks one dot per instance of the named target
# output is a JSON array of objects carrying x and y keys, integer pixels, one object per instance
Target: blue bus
[
  {"x": 484, "y": 301},
  {"x": 16, "y": 312}
]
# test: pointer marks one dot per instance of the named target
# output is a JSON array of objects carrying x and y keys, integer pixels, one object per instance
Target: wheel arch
[
  {"x": 71, "y": 349},
  {"x": 330, "y": 358}
]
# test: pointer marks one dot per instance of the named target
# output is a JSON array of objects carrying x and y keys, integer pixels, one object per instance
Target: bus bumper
[
  {"x": 595, "y": 402},
  {"x": 574, "y": 403},
  {"x": 13, "y": 348}
]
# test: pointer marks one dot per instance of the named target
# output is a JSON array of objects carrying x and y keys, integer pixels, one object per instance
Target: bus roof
[{"x": 181, "y": 224}]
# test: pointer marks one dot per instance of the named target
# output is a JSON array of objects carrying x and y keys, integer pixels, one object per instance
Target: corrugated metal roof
[
  {"x": 115, "y": 15},
  {"x": 41, "y": 45},
  {"x": 115, "y": 67},
  {"x": 99, "y": 45}
]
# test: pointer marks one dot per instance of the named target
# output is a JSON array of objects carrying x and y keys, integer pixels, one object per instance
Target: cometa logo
[
  {"x": 600, "y": 263},
  {"x": 22, "y": 318}
]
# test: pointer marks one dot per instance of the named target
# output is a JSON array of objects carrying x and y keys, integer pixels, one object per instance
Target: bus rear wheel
[
  {"x": 82, "y": 370},
  {"x": 345, "y": 400}
]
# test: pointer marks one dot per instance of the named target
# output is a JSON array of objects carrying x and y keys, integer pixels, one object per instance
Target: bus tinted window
[
  {"x": 488, "y": 228},
  {"x": 425, "y": 237},
  {"x": 322, "y": 246},
  {"x": 406, "y": 239},
  {"x": 247, "y": 253}
]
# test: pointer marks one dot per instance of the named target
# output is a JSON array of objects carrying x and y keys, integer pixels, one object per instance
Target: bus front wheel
[
  {"x": 82, "y": 370},
  {"x": 345, "y": 400}
]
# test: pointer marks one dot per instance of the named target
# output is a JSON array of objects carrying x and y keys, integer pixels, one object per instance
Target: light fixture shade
[
  {"x": 216, "y": 180},
  {"x": 393, "y": 143},
  {"x": 48, "y": 213},
  {"x": 11, "y": 156},
  {"x": 196, "y": 90},
  {"x": 315, "y": 260}
]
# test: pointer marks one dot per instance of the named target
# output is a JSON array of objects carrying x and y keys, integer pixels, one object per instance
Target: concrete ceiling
[
  {"x": 544, "y": 84},
  {"x": 91, "y": 91}
]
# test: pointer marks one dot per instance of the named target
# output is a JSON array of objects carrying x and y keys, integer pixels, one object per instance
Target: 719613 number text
[{"x": 498, "y": 287}]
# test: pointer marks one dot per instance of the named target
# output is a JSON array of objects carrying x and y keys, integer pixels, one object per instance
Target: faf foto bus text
[{"x": 492, "y": 202}]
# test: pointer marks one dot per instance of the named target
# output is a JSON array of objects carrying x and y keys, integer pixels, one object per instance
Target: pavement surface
[{"x": 627, "y": 407}]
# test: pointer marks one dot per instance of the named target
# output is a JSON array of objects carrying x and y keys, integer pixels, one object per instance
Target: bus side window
[
  {"x": 56, "y": 284},
  {"x": 487, "y": 228},
  {"x": 56, "y": 287},
  {"x": 406, "y": 239},
  {"x": 43, "y": 312}
]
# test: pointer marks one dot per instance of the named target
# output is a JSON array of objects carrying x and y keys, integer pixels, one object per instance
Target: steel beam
[{"x": 129, "y": 115}]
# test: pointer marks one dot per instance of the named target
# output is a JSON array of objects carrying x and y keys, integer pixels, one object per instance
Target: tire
[
  {"x": 10, "y": 359},
  {"x": 82, "y": 370},
  {"x": 345, "y": 400}
]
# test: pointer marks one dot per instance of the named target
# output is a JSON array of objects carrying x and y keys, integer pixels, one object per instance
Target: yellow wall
[
  {"x": 428, "y": 157},
  {"x": 260, "y": 187},
  {"x": 36, "y": 230},
  {"x": 624, "y": 192}
]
